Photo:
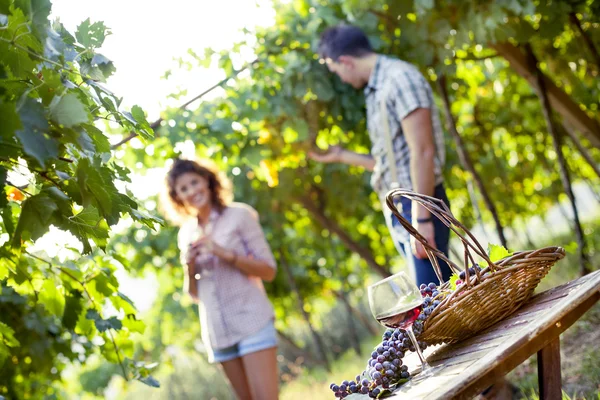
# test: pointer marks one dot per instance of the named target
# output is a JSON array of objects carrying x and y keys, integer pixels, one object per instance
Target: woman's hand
[{"x": 206, "y": 245}]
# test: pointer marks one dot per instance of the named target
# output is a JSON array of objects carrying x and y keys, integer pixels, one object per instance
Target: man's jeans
[{"x": 422, "y": 269}]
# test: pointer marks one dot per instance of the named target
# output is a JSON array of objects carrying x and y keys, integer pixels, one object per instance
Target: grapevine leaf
[
  {"x": 36, "y": 216},
  {"x": 94, "y": 189},
  {"x": 8, "y": 262},
  {"x": 497, "y": 253},
  {"x": 52, "y": 298},
  {"x": 10, "y": 124},
  {"x": 16, "y": 59},
  {"x": 150, "y": 381},
  {"x": 103, "y": 324},
  {"x": 37, "y": 11},
  {"x": 7, "y": 336},
  {"x": 142, "y": 123},
  {"x": 68, "y": 110},
  {"x": 100, "y": 59},
  {"x": 91, "y": 35},
  {"x": 453, "y": 280},
  {"x": 88, "y": 224},
  {"x": 73, "y": 308},
  {"x": 101, "y": 143},
  {"x": 3, "y": 199},
  {"x": 33, "y": 135},
  {"x": 133, "y": 324}
]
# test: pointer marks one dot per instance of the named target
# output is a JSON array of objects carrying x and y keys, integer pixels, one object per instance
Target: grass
[{"x": 313, "y": 384}]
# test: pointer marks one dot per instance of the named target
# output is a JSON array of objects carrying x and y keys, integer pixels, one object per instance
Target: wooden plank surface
[{"x": 469, "y": 367}]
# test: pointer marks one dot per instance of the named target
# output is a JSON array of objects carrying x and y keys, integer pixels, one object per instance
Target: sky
[{"x": 147, "y": 36}]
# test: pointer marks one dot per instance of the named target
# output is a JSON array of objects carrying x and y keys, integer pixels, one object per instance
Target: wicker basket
[{"x": 487, "y": 296}]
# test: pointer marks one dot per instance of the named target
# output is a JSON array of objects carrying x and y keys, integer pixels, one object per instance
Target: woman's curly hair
[{"x": 219, "y": 186}]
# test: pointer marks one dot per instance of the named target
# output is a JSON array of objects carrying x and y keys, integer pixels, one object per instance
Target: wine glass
[
  {"x": 204, "y": 260},
  {"x": 395, "y": 302}
]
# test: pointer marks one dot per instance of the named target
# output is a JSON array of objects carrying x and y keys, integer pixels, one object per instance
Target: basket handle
[{"x": 440, "y": 210}]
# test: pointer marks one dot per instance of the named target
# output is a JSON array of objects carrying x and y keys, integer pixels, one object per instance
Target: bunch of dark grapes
[
  {"x": 472, "y": 272},
  {"x": 431, "y": 299},
  {"x": 385, "y": 367}
]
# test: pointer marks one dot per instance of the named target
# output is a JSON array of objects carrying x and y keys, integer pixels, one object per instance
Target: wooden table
[{"x": 473, "y": 365}]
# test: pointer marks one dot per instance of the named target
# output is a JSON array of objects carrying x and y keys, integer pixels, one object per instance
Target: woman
[{"x": 226, "y": 257}]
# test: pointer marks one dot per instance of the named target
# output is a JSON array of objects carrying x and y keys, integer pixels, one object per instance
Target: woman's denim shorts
[{"x": 261, "y": 340}]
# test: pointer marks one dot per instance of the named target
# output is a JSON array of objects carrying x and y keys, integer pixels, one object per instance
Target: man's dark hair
[{"x": 344, "y": 40}]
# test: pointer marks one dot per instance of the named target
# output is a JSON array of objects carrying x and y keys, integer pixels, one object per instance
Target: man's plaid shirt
[{"x": 405, "y": 89}]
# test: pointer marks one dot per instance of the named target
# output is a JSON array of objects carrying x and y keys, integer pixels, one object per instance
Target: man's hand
[
  {"x": 333, "y": 154},
  {"x": 428, "y": 232}
]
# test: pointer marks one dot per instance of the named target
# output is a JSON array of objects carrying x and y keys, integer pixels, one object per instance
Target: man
[{"x": 413, "y": 139}]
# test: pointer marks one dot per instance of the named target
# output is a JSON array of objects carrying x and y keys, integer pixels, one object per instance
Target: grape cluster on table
[{"x": 385, "y": 367}]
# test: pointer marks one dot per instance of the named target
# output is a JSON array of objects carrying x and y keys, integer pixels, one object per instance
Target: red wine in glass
[{"x": 401, "y": 316}]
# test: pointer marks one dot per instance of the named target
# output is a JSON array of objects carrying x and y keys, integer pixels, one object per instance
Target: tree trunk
[
  {"x": 592, "y": 189},
  {"x": 586, "y": 38},
  {"x": 557, "y": 99},
  {"x": 317, "y": 339},
  {"x": 334, "y": 227},
  {"x": 556, "y": 141},
  {"x": 475, "y": 203},
  {"x": 466, "y": 160},
  {"x": 352, "y": 333},
  {"x": 582, "y": 150}
]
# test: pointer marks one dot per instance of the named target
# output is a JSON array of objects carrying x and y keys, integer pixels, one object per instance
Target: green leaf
[
  {"x": 122, "y": 302},
  {"x": 17, "y": 59},
  {"x": 36, "y": 216},
  {"x": 251, "y": 154},
  {"x": 133, "y": 324},
  {"x": 148, "y": 220},
  {"x": 10, "y": 124},
  {"x": 100, "y": 59},
  {"x": 103, "y": 324},
  {"x": 3, "y": 199},
  {"x": 8, "y": 219},
  {"x": 91, "y": 35},
  {"x": 37, "y": 11},
  {"x": 33, "y": 136},
  {"x": 91, "y": 71},
  {"x": 295, "y": 130},
  {"x": 68, "y": 110},
  {"x": 84, "y": 325},
  {"x": 100, "y": 141},
  {"x": 73, "y": 308},
  {"x": 7, "y": 336},
  {"x": 150, "y": 381},
  {"x": 497, "y": 253},
  {"x": 94, "y": 189},
  {"x": 52, "y": 298},
  {"x": 54, "y": 46},
  {"x": 453, "y": 280},
  {"x": 52, "y": 86},
  {"x": 142, "y": 124},
  {"x": 8, "y": 262},
  {"x": 88, "y": 224}
]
